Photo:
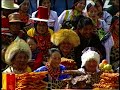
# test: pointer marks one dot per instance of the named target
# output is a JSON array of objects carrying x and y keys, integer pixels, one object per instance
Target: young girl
[
  {"x": 54, "y": 67},
  {"x": 41, "y": 33},
  {"x": 37, "y": 56},
  {"x": 104, "y": 15}
]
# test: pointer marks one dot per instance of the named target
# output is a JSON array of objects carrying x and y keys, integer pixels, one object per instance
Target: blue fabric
[
  {"x": 60, "y": 5},
  {"x": 62, "y": 68},
  {"x": 33, "y": 6}
]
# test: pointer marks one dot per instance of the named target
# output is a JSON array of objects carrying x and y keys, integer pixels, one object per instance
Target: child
[{"x": 37, "y": 56}]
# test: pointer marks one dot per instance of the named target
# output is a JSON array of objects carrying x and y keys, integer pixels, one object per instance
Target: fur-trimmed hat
[
  {"x": 88, "y": 55},
  {"x": 16, "y": 46},
  {"x": 65, "y": 35}
]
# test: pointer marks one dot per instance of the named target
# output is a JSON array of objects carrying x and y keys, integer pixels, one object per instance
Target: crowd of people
[{"x": 37, "y": 42}]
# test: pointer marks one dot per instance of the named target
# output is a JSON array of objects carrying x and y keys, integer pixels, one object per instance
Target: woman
[
  {"x": 24, "y": 14},
  {"x": 92, "y": 13},
  {"x": 104, "y": 15},
  {"x": 66, "y": 40},
  {"x": 113, "y": 43},
  {"x": 54, "y": 67},
  {"x": 85, "y": 30},
  {"x": 54, "y": 25},
  {"x": 68, "y": 15},
  {"x": 17, "y": 55}
]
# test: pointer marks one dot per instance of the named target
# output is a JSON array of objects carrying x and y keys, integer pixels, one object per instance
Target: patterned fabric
[
  {"x": 114, "y": 57},
  {"x": 56, "y": 85},
  {"x": 44, "y": 43},
  {"x": 54, "y": 73}
]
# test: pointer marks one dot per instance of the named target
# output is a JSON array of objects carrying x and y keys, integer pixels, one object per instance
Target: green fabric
[
  {"x": 66, "y": 15},
  {"x": 101, "y": 34}
]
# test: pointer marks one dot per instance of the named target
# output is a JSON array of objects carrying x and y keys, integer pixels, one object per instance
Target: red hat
[
  {"x": 42, "y": 15},
  {"x": 5, "y": 27}
]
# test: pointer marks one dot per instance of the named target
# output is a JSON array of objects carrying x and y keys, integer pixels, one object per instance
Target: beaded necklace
[{"x": 54, "y": 73}]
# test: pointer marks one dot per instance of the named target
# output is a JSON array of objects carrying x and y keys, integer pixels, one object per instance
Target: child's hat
[{"x": 42, "y": 15}]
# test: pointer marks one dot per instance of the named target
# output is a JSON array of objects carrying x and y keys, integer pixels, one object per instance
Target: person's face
[
  {"x": 91, "y": 66},
  {"x": 55, "y": 59},
  {"x": 42, "y": 27},
  {"x": 46, "y": 3},
  {"x": 25, "y": 6},
  {"x": 66, "y": 47},
  {"x": 15, "y": 28},
  {"x": 80, "y": 6},
  {"x": 87, "y": 31},
  {"x": 99, "y": 7},
  {"x": 93, "y": 12},
  {"x": 20, "y": 60},
  {"x": 32, "y": 44}
]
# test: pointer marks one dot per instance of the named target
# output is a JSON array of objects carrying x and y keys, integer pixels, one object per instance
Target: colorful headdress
[
  {"x": 16, "y": 46},
  {"x": 65, "y": 35}
]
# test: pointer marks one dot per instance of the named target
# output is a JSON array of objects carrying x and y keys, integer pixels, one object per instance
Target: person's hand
[{"x": 70, "y": 71}]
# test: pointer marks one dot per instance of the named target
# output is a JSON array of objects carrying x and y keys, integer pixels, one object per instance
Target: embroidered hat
[
  {"x": 65, "y": 35},
  {"x": 16, "y": 46},
  {"x": 5, "y": 27},
  {"x": 42, "y": 15},
  {"x": 14, "y": 17},
  {"x": 9, "y": 4},
  {"x": 88, "y": 55}
]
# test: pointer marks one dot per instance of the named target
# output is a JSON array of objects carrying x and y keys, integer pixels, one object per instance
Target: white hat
[
  {"x": 9, "y": 4},
  {"x": 86, "y": 56}
]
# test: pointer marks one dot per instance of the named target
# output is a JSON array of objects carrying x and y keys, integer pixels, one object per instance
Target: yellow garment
[
  {"x": 28, "y": 69},
  {"x": 31, "y": 32}
]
